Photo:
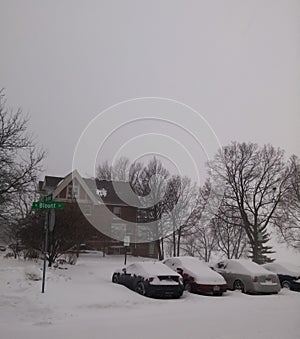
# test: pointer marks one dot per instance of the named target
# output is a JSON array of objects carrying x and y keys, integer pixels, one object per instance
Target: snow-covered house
[{"x": 109, "y": 208}]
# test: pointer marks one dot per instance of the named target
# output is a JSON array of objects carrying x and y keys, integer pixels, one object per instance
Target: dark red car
[{"x": 197, "y": 276}]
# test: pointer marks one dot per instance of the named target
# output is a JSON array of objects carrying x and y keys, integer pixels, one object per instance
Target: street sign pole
[
  {"x": 45, "y": 250},
  {"x": 125, "y": 259},
  {"x": 126, "y": 245},
  {"x": 50, "y": 206}
]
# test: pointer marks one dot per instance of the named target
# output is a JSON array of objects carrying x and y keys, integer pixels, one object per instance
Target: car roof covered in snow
[
  {"x": 150, "y": 268},
  {"x": 190, "y": 262},
  {"x": 245, "y": 266}
]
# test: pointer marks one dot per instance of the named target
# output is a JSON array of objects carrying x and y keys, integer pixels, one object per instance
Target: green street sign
[
  {"x": 48, "y": 198},
  {"x": 39, "y": 205}
]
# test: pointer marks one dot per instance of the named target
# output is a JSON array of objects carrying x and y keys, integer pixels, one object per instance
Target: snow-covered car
[
  {"x": 151, "y": 279},
  {"x": 197, "y": 276},
  {"x": 287, "y": 273},
  {"x": 295, "y": 285},
  {"x": 247, "y": 276}
]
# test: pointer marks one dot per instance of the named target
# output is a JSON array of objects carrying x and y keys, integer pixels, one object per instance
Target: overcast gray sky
[{"x": 236, "y": 62}]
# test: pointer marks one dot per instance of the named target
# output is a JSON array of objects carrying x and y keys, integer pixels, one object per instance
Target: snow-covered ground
[{"x": 82, "y": 303}]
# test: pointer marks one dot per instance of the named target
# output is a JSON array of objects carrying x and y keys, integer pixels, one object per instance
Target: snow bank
[{"x": 33, "y": 273}]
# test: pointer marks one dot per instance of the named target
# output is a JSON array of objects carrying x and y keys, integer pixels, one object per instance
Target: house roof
[
  {"x": 74, "y": 176},
  {"x": 52, "y": 181},
  {"x": 108, "y": 192},
  {"x": 113, "y": 192}
]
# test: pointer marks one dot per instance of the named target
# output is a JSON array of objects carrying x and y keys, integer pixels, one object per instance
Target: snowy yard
[{"x": 81, "y": 302}]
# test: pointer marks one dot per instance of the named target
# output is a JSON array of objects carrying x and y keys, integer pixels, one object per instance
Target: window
[
  {"x": 117, "y": 211},
  {"x": 72, "y": 191}
]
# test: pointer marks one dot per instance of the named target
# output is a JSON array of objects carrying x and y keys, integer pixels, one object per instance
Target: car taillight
[
  {"x": 255, "y": 279},
  {"x": 150, "y": 279}
]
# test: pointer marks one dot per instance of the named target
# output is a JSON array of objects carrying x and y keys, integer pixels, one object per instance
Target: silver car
[{"x": 247, "y": 276}]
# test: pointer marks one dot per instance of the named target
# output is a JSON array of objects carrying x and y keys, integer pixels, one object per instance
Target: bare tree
[
  {"x": 18, "y": 212},
  {"x": 20, "y": 165},
  {"x": 180, "y": 215},
  {"x": 158, "y": 194},
  {"x": 104, "y": 171},
  {"x": 288, "y": 216},
  {"x": 155, "y": 191},
  {"x": 257, "y": 179},
  {"x": 119, "y": 171},
  {"x": 71, "y": 229},
  {"x": 155, "y": 196},
  {"x": 20, "y": 160},
  {"x": 200, "y": 238},
  {"x": 231, "y": 238}
]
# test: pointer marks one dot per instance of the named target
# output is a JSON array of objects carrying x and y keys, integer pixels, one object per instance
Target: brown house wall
[{"x": 99, "y": 241}]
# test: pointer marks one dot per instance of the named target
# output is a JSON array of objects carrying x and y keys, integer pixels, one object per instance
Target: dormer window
[
  {"x": 72, "y": 192},
  {"x": 102, "y": 192}
]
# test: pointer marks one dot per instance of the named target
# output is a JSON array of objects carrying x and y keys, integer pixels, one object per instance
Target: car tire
[
  {"x": 140, "y": 288},
  {"x": 239, "y": 286},
  {"x": 115, "y": 278},
  {"x": 286, "y": 284},
  {"x": 188, "y": 287}
]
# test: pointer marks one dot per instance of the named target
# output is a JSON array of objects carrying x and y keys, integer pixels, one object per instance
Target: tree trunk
[
  {"x": 157, "y": 242},
  {"x": 162, "y": 249},
  {"x": 178, "y": 241},
  {"x": 174, "y": 243}
]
